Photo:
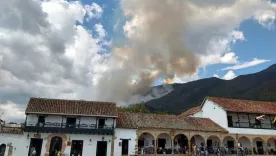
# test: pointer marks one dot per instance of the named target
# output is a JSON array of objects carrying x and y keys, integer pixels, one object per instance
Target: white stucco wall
[
  {"x": 89, "y": 148},
  {"x": 197, "y": 114},
  {"x": 124, "y": 134},
  {"x": 21, "y": 144},
  {"x": 217, "y": 114},
  {"x": 214, "y": 112},
  {"x": 251, "y": 131}
]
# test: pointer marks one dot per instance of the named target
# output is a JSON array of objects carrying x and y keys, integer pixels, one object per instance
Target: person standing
[{"x": 59, "y": 153}]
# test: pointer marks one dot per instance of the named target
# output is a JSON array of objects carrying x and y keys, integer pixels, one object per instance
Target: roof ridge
[
  {"x": 72, "y": 100},
  {"x": 239, "y": 99}
]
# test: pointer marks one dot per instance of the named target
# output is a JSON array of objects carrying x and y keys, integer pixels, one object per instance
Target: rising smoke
[{"x": 156, "y": 33}]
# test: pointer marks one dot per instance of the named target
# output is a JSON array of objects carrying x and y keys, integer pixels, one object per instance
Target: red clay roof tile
[
  {"x": 246, "y": 106},
  {"x": 71, "y": 107},
  {"x": 158, "y": 121},
  {"x": 190, "y": 111}
]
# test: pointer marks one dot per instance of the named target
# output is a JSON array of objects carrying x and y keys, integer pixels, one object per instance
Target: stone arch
[
  {"x": 271, "y": 145},
  {"x": 197, "y": 140},
  {"x": 244, "y": 142},
  {"x": 55, "y": 144},
  {"x": 49, "y": 140},
  {"x": 180, "y": 144},
  {"x": 230, "y": 144},
  {"x": 213, "y": 141},
  {"x": 164, "y": 143},
  {"x": 146, "y": 142},
  {"x": 2, "y": 149},
  {"x": 259, "y": 145}
]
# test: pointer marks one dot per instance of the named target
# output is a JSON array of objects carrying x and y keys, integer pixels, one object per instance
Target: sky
[{"x": 114, "y": 50}]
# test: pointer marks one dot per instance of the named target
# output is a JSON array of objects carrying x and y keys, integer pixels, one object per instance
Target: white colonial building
[
  {"x": 239, "y": 117},
  {"x": 79, "y": 128},
  {"x": 87, "y": 128}
]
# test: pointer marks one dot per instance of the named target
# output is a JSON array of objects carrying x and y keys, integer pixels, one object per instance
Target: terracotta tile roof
[
  {"x": 190, "y": 111},
  {"x": 9, "y": 130},
  {"x": 246, "y": 106},
  {"x": 70, "y": 107},
  {"x": 147, "y": 120},
  {"x": 205, "y": 124}
]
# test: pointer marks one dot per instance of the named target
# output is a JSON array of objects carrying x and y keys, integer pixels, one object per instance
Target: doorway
[
  {"x": 101, "y": 123},
  {"x": 161, "y": 143},
  {"x": 230, "y": 121},
  {"x": 260, "y": 147},
  {"x": 76, "y": 148},
  {"x": 124, "y": 146},
  {"x": 209, "y": 143},
  {"x": 55, "y": 145},
  {"x": 35, "y": 144},
  {"x": 101, "y": 148},
  {"x": 71, "y": 122},
  {"x": 230, "y": 144},
  {"x": 141, "y": 143},
  {"x": 41, "y": 121},
  {"x": 2, "y": 149}
]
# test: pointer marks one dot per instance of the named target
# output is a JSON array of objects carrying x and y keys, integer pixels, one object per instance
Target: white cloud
[
  {"x": 100, "y": 30},
  {"x": 11, "y": 111},
  {"x": 216, "y": 75},
  {"x": 243, "y": 65},
  {"x": 115, "y": 28},
  {"x": 93, "y": 11},
  {"x": 237, "y": 35},
  {"x": 45, "y": 54},
  {"x": 229, "y": 75}
]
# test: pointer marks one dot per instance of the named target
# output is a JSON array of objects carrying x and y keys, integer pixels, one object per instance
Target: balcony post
[
  {"x": 238, "y": 119},
  {"x": 26, "y": 120},
  {"x": 113, "y": 123},
  {"x": 271, "y": 125},
  {"x": 248, "y": 120},
  {"x": 97, "y": 123},
  {"x": 61, "y": 122},
  {"x": 79, "y": 122}
]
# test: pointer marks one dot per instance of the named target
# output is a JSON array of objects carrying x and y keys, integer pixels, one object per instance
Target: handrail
[
  {"x": 253, "y": 125},
  {"x": 68, "y": 125}
]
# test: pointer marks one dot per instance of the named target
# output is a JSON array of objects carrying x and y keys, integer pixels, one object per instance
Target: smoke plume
[{"x": 156, "y": 36}]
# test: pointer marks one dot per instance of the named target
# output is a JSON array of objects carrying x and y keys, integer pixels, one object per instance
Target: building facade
[
  {"x": 239, "y": 118},
  {"x": 88, "y": 128},
  {"x": 72, "y": 127}
]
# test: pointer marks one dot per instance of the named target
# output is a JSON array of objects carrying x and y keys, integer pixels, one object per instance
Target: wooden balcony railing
[
  {"x": 70, "y": 128},
  {"x": 252, "y": 125}
]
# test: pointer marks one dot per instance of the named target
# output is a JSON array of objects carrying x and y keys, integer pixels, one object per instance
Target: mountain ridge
[{"x": 260, "y": 86}]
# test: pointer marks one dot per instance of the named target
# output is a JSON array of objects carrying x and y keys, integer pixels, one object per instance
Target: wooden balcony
[
  {"x": 69, "y": 128},
  {"x": 252, "y": 125}
]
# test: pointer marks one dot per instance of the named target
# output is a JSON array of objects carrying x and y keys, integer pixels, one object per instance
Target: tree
[{"x": 139, "y": 108}]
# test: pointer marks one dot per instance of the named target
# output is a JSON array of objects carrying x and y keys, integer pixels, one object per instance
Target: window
[{"x": 101, "y": 123}]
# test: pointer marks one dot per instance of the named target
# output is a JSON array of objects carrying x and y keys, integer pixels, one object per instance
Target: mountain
[{"x": 258, "y": 86}]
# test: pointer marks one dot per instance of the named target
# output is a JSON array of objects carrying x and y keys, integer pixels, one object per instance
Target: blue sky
[
  {"x": 71, "y": 59},
  {"x": 258, "y": 43}
]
